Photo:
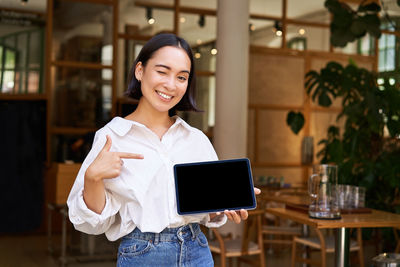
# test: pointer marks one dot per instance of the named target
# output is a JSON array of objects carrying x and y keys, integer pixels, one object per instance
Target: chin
[{"x": 165, "y": 108}]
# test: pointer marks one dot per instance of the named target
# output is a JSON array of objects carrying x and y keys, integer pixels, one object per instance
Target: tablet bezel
[{"x": 250, "y": 178}]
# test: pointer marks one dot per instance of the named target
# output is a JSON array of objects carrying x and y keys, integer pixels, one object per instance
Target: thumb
[{"x": 108, "y": 143}]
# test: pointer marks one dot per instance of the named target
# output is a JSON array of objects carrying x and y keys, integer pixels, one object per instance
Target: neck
[{"x": 147, "y": 115}]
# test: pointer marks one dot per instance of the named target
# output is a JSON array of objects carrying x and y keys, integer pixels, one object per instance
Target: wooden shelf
[
  {"x": 80, "y": 65},
  {"x": 276, "y": 164},
  {"x": 136, "y": 37},
  {"x": 203, "y": 73},
  {"x": 275, "y": 107},
  {"x": 105, "y": 2}
]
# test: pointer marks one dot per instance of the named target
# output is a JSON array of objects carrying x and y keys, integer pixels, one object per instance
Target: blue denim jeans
[{"x": 184, "y": 246}]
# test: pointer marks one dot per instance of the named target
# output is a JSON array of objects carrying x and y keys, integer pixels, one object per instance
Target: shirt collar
[
  {"x": 180, "y": 121},
  {"x": 122, "y": 126}
]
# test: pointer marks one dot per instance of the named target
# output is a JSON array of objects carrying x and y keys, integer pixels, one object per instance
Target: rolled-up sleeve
[
  {"x": 80, "y": 215},
  {"x": 87, "y": 221},
  {"x": 215, "y": 223}
]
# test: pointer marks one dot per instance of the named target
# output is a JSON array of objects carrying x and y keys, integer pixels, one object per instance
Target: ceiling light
[
  {"x": 214, "y": 51},
  {"x": 199, "y": 41},
  {"x": 197, "y": 55},
  {"x": 302, "y": 31},
  {"x": 252, "y": 27},
  {"x": 202, "y": 21},
  {"x": 278, "y": 28},
  {"x": 149, "y": 16},
  {"x": 182, "y": 19}
]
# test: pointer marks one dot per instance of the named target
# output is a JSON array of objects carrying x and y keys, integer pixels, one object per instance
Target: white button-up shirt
[{"x": 143, "y": 195}]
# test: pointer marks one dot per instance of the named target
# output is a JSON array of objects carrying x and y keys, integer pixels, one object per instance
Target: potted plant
[{"x": 367, "y": 151}]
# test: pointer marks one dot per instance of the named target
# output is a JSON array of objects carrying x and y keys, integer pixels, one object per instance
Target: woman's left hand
[{"x": 238, "y": 215}]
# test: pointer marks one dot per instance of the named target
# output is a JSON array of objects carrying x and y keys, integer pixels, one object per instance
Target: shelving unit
[{"x": 82, "y": 100}]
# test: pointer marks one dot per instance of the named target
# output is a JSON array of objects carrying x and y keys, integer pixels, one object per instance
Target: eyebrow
[{"x": 169, "y": 68}]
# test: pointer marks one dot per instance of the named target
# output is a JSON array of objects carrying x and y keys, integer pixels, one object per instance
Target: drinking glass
[{"x": 358, "y": 197}]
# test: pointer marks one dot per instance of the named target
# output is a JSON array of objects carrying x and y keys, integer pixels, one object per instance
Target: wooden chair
[
  {"x": 278, "y": 232},
  {"x": 244, "y": 246},
  {"x": 325, "y": 245},
  {"x": 280, "y": 235}
]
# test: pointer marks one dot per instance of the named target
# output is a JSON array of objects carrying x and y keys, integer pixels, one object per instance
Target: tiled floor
[{"x": 31, "y": 251}]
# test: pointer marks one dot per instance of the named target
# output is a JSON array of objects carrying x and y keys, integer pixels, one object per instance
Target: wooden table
[{"x": 375, "y": 219}]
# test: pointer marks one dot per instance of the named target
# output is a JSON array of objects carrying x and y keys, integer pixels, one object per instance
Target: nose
[{"x": 170, "y": 83}]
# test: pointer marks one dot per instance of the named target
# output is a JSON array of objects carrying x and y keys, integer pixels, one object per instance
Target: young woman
[{"x": 125, "y": 185}]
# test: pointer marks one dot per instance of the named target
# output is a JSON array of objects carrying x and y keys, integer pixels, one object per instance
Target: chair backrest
[
  {"x": 251, "y": 231},
  {"x": 252, "y": 227}
]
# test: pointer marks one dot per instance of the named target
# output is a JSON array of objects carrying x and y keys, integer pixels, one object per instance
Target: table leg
[
  {"x": 306, "y": 254},
  {"x": 342, "y": 248}
]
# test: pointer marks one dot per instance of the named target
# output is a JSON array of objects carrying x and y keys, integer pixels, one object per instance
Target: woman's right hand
[{"x": 108, "y": 164}]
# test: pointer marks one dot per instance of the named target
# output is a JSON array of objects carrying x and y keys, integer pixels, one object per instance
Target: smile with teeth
[{"x": 168, "y": 97}]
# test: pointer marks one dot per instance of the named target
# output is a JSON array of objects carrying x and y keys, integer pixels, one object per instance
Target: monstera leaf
[{"x": 324, "y": 85}]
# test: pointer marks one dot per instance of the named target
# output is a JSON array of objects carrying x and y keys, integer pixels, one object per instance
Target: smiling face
[{"x": 164, "y": 79}]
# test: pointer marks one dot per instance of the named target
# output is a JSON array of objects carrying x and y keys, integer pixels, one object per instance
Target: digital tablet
[{"x": 211, "y": 186}]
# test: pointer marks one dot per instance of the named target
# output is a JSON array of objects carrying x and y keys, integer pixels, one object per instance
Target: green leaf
[
  {"x": 324, "y": 100},
  {"x": 393, "y": 127},
  {"x": 372, "y": 7},
  {"x": 398, "y": 2},
  {"x": 340, "y": 37},
  {"x": 333, "y": 130},
  {"x": 373, "y": 24},
  {"x": 358, "y": 28},
  {"x": 374, "y": 31},
  {"x": 342, "y": 19},
  {"x": 295, "y": 120},
  {"x": 332, "y": 5},
  {"x": 352, "y": 62}
]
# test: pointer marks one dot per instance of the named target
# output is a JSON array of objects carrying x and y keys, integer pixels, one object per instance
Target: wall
[{"x": 277, "y": 86}]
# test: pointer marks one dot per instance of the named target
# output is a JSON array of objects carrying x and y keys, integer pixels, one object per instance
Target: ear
[{"x": 139, "y": 71}]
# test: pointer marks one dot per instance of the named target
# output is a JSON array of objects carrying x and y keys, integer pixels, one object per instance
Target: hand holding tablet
[{"x": 215, "y": 186}]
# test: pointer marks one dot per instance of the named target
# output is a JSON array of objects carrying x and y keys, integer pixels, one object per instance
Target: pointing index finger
[
  {"x": 108, "y": 143},
  {"x": 127, "y": 155}
]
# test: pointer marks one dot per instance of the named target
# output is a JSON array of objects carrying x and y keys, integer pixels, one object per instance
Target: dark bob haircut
[{"x": 158, "y": 41}]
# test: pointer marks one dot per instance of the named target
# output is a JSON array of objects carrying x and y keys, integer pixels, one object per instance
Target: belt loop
[
  {"x": 156, "y": 238},
  {"x": 192, "y": 230}
]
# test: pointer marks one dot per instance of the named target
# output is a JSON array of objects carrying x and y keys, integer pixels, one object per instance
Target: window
[
  {"x": 387, "y": 53},
  {"x": 21, "y": 56},
  {"x": 298, "y": 43},
  {"x": 366, "y": 46}
]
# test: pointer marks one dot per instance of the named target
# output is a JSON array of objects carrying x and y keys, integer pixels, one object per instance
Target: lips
[{"x": 164, "y": 96}]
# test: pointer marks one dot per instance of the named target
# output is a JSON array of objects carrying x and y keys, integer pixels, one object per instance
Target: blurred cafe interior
[{"x": 309, "y": 91}]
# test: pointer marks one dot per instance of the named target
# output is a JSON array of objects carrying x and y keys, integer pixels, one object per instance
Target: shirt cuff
[
  {"x": 217, "y": 223},
  {"x": 82, "y": 214}
]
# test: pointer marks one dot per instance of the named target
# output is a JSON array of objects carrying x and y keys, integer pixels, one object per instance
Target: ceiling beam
[{"x": 212, "y": 12}]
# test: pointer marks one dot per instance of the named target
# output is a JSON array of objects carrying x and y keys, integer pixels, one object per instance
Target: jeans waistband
[{"x": 188, "y": 231}]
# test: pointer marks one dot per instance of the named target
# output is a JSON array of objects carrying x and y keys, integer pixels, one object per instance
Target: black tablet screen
[{"x": 214, "y": 186}]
